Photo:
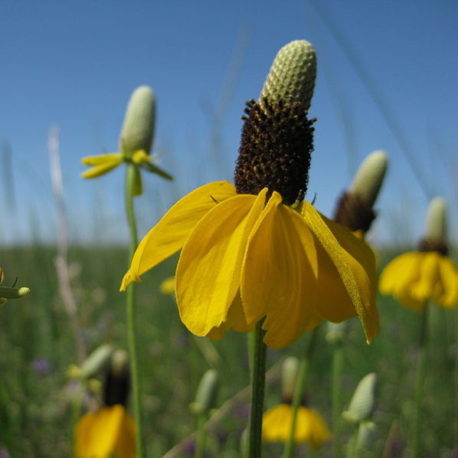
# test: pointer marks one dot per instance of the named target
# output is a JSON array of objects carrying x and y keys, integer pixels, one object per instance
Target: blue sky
[{"x": 74, "y": 64}]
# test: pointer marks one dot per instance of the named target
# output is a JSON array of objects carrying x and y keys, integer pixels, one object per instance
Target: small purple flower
[
  {"x": 41, "y": 366},
  {"x": 4, "y": 453},
  {"x": 189, "y": 447}
]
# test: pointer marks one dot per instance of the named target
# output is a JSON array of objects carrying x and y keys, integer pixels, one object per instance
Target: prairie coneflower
[
  {"x": 257, "y": 250},
  {"x": 109, "y": 431},
  {"x": 417, "y": 277}
]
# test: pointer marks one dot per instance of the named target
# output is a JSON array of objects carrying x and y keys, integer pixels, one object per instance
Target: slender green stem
[
  {"x": 353, "y": 442},
  {"x": 299, "y": 391},
  {"x": 131, "y": 316},
  {"x": 201, "y": 436},
  {"x": 419, "y": 382},
  {"x": 337, "y": 365},
  {"x": 257, "y": 394}
]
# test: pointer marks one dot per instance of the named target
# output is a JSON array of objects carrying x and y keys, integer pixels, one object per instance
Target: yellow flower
[
  {"x": 108, "y": 432},
  {"x": 168, "y": 286},
  {"x": 417, "y": 277},
  {"x": 246, "y": 257},
  {"x": 310, "y": 426}
]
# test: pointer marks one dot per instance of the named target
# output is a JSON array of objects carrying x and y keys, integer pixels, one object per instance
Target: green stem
[
  {"x": 257, "y": 394},
  {"x": 131, "y": 317},
  {"x": 353, "y": 443},
  {"x": 337, "y": 365},
  {"x": 201, "y": 436},
  {"x": 419, "y": 382},
  {"x": 299, "y": 391}
]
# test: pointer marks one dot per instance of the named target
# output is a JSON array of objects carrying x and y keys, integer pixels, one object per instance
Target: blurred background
[
  {"x": 386, "y": 80},
  {"x": 387, "y": 74}
]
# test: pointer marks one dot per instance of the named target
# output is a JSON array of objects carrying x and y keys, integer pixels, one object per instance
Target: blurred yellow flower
[
  {"x": 109, "y": 432},
  {"x": 417, "y": 277},
  {"x": 168, "y": 286},
  {"x": 310, "y": 426},
  {"x": 246, "y": 257}
]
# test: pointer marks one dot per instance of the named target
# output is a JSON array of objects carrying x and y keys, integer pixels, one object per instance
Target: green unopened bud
[
  {"x": 94, "y": 363},
  {"x": 363, "y": 401},
  {"x": 138, "y": 127},
  {"x": 292, "y": 75},
  {"x": 436, "y": 221},
  {"x": 289, "y": 376},
  {"x": 13, "y": 293},
  {"x": 369, "y": 177},
  {"x": 206, "y": 393},
  {"x": 335, "y": 332}
]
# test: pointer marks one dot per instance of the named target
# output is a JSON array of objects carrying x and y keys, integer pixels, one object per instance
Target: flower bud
[
  {"x": 93, "y": 364},
  {"x": 289, "y": 376},
  {"x": 366, "y": 432},
  {"x": 363, "y": 401},
  {"x": 206, "y": 393},
  {"x": 335, "y": 332},
  {"x": 369, "y": 177},
  {"x": 138, "y": 127}
]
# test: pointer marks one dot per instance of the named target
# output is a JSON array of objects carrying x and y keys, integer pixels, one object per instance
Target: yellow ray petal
[
  {"x": 277, "y": 278},
  {"x": 449, "y": 279},
  {"x": 428, "y": 282},
  {"x": 208, "y": 272},
  {"x": 311, "y": 428},
  {"x": 101, "y": 169},
  {"x": 125, "y": 446},
  {"x": 276, "y": 423},
  {"x": 399, "y": 274},
  {"x": 355, "y": 264},
  {"x": 97, "y": 432},
  {"x": 101, "y": 159},
  {"x": 170, "y": 233}
]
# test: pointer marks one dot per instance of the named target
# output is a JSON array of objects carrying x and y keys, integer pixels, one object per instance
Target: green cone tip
[
  {"x": 289, "y": 376},
  {"x": 362, "y": 403},
  {"x": 206, "y": 393},
  {"x": 366, "y": 433},
  {"x": 335, "y": 332},
  {"x": 436, "y": 220},
  {"x": 138, "y": 128},
  {"x": 119, "y": 361},
  {"x": 369, "y": 177},
  {"x": 292, "y": 75}
]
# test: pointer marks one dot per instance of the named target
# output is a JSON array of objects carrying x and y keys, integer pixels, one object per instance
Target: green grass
[{"x": 37, "y": 409}]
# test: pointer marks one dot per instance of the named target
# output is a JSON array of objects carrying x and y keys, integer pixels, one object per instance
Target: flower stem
[
  {"x": 257, "y": 393},
  {"x": 201, "y": 436},
  {"x": 131, "y": 317},
  {"x": 419, "y": 382},
  {"x": 337, "y": 365},
  {"x": 299, "y": 391}
]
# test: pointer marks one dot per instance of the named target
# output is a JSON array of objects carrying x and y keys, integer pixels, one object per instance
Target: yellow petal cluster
[
  {"x": 414, "y": 278},
  {"x": 109, "y": 432},
  {"x": 246, "y": 257},
  {"x": 310, "y": 426}
]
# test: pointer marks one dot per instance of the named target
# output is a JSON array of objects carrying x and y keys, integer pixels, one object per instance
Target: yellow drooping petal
[
  {"x": 105, "y": 432},
  {"x": 400, "y": 274},
  {"x": 167, "y": 286},
  {"x": 208, "y": 272},
  {"x": 449, "y": 280},
  {"x": 101, "y": 159},
  {"x": 428, "y": 283},
  {"x": 171, "y": 232},
  {"x": 101, "y": 169},
  {"x": 310, "y": 427},
  {"x": 354, "y": 262},
  {"x": 277, "y": 278}
]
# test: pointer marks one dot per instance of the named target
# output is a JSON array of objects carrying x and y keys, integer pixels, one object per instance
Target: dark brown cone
[
  {"x": 353, "y": 213},
  {"x": 277, "y": 141},
  {"x": 116, "y": 388},
  {"x": 433, "y": 245}
]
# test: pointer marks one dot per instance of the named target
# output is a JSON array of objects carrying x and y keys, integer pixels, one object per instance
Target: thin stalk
[
  {"x": 299, "y": 391},
  {"x": 337, "y": 365},
  {"x": 257, "y": 393},
  {"x": 419, "y": 382},
  {"x": 201, "y": 436},
  {"x": 131, "y": 316},
  {"x": 353, "y": 443}
]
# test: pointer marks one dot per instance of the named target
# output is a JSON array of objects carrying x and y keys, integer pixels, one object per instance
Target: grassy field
[{"x": 39, "y": 405}]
